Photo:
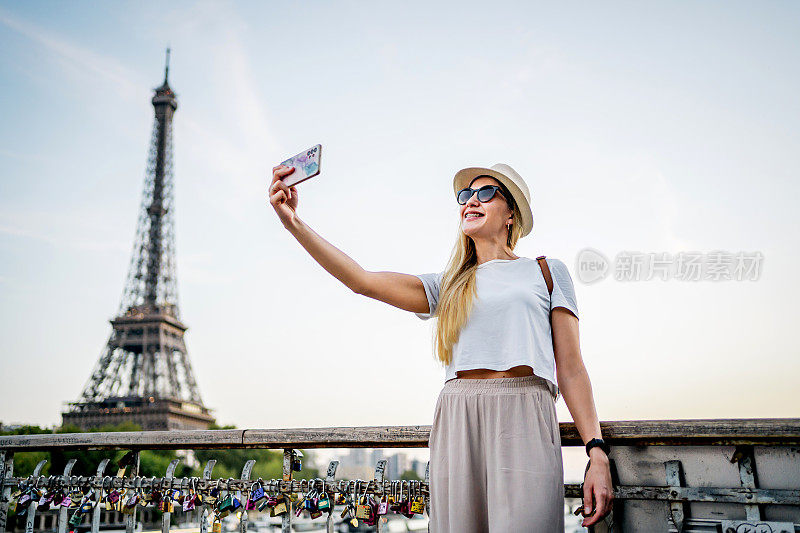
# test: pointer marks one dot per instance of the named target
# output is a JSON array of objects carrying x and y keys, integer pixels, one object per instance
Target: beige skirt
[{"x": 496, "y": 460}]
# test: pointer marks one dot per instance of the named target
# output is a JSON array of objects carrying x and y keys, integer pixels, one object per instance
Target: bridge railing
[{"x": 211, "y": 499}]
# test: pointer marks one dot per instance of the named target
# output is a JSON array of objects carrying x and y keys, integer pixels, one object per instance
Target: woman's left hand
[{"x": 597, "y": 486}]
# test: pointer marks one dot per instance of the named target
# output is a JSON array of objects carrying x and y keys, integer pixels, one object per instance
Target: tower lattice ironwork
[{"x": 144, "y": 374}]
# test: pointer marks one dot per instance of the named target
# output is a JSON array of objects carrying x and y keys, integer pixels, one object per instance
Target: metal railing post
[
  {"x": 6, "y": 471},
  {"x": 428, "y": 499},
  {"x": 101, "y": 468},
  {"x": 31, "y": 513},
  {"x": 248, "y": 468},
  {"x": 131, "y": 459},
  {"x": 286, "y": 518},
  {"x": 428, "y": 481},
  {"x": 204, "y": 508},
  {"x": 330, "y": 477},
  {"x": 380, "y": 476},
  {"x": 166, "y": 515},
  {"x": 62, "y": 511}
]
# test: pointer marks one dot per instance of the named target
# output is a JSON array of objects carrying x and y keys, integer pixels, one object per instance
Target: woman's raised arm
[{"x": 400, "y": 290}]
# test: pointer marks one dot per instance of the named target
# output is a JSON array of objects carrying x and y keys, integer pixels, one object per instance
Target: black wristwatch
[{"x": 597, "y": 442}]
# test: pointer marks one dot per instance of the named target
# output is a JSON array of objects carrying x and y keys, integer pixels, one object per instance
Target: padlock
[
  {"x": 76, "y": 518},
  {"x": 279, "y": 509},
  {"x": 363, "y": 511},
  {"x": 316, "y": 514},
  {"x": 311, "y": 503},
  {"x": 188, "y": 504},
  {"x": 417, "y": 506},
  {"x": 131, "y": 501},
  {"x": 226, "y": 504},
  {"x": 383, "y": 506},
  {"x": 372, "y": 505},
  {"x": 216, "y": 527},
  {"x": 258, "y": 494},
  {"x": 267, "y": 502},
  {"x": 324, "y": 503}
]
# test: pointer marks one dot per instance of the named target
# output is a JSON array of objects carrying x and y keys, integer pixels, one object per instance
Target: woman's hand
[
  {"x": 597, "y": 486},
  {"x": 283, "y": 198}
]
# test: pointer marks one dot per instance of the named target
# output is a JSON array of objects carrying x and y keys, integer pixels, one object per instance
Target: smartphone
[{"x": 306, "y": 165}]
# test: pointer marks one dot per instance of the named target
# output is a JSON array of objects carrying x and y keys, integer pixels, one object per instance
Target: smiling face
[{"x": 492, "y": 216}]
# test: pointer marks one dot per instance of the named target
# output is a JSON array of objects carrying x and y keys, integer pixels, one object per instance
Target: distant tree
[
  {"x": 410, "y": 475},
  {"x": 25, "y": 462},
  {"x": 151, "y": 462},
  {"x": 269, "y": 463}
]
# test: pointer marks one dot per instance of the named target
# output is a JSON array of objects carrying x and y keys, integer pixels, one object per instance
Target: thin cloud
[
  {"x": 76, "y": 56},
  {"x": 60, "y": 242}
]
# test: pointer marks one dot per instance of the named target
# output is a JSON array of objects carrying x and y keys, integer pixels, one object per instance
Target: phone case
[{"x": 306, "y": 165}]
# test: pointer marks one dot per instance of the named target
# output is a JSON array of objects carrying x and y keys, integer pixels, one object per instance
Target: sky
[{"x": 658, "y": 127}]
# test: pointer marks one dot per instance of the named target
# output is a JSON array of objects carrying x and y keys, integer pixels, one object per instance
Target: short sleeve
[
  {"x": 563, "y": 288},
  {"x": 431, "y": 282}
]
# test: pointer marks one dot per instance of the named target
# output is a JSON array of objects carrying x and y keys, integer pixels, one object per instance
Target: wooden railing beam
[{"x": 622, "y": 433}]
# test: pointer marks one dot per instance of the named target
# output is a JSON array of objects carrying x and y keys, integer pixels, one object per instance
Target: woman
[{"x": 495, "y": 444}]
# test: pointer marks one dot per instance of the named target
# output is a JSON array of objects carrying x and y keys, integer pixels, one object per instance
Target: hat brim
[{"x": 464, "y": 176}]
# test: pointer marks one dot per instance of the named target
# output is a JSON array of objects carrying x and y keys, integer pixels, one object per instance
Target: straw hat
[{"x": 510, "y": 179}]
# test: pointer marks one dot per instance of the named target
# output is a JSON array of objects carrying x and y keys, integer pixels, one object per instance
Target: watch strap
[{"x": 600, "y": 443}]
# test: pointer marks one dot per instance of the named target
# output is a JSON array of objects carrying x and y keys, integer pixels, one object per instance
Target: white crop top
[{"x": 509, "y": 324}]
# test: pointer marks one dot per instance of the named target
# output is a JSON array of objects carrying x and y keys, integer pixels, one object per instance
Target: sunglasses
[{"x": 485, "y": 194}]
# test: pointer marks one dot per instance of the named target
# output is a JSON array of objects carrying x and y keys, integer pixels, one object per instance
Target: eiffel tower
[{"x": 144, "y": 375}]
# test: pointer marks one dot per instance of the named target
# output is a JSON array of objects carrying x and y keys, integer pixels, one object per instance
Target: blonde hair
[{"x": 457, "y": 292}]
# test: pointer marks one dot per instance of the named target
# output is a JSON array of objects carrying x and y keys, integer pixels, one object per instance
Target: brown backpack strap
[{"x": 548, "y": 279}]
